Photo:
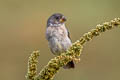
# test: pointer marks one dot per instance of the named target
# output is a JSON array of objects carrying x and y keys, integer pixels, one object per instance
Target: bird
[{"x": 58, "y": 36}]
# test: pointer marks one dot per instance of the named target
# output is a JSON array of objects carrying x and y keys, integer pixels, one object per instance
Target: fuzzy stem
[
  {"x": 32, "y": 65},
  {"x": 53, "y": 66}
]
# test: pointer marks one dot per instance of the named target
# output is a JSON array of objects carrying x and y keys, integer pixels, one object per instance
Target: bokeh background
[{"x": 22, "y": 30}]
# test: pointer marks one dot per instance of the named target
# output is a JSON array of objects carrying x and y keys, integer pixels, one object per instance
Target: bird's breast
[
  {"x": 58, "y": 39},
  {"x": 61, "y": 31}
]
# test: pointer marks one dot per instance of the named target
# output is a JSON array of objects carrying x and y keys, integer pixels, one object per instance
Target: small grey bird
[{"x": 58, "y": 36}]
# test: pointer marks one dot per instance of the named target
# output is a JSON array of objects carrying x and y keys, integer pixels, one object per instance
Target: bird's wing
[{"x": 68, "y": 34}]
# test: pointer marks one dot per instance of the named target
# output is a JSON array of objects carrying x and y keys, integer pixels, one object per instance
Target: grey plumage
[{"x": 58, "y": 36}]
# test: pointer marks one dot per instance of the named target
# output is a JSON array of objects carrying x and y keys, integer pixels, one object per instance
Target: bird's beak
[{"x": 63, "y": 19}]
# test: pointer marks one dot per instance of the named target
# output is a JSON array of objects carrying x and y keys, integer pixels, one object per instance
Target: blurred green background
[{"x": 22, "y": 30}]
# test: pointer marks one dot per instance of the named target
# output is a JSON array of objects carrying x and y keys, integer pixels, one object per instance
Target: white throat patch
[{"x": 50, "y": 24}]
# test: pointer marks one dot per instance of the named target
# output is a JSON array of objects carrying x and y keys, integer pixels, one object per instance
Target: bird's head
[{"x": 56, "y": 19}]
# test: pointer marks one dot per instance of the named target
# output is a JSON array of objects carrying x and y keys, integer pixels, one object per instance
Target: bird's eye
[{"x": 57, "y": 18}]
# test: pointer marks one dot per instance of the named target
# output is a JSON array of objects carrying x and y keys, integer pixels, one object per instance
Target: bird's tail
[{"x": 69, "y": 65}]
